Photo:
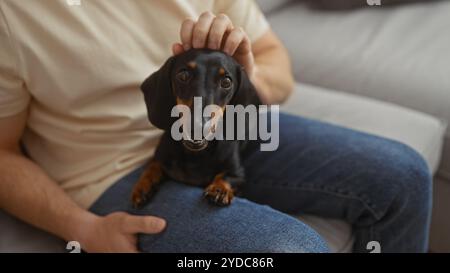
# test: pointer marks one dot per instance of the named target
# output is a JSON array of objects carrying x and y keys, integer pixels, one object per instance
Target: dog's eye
[
  {"x": 183, "y": 75},
  {"x": 226, "y": 83}
]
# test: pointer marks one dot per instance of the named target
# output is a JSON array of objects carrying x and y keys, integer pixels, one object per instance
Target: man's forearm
[
  {"x": 29, "y": 194},
  {"x": 273, "y": 76}
]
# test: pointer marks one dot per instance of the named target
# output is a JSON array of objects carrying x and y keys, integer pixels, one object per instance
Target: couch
[{"x": 380, "y": 70}]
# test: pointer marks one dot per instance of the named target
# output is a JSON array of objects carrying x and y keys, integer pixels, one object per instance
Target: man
[{"x": 69, "y": 90}]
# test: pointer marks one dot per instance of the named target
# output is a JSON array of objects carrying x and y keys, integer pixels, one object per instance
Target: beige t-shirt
[{"x": 78, "y": 68}]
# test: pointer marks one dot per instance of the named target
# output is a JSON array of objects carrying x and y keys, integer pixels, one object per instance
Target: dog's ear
[
  {"x": 159, "y": 96},
  {"x": 245, "y": 93}
]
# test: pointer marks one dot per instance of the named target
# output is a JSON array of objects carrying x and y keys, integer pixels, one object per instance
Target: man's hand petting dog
[{"x": 217, "y": 33}]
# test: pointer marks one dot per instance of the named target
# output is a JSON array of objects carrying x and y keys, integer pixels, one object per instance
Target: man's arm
[
  {"x": 273, "y": 75},
  {"x": 27, "y": 192}
]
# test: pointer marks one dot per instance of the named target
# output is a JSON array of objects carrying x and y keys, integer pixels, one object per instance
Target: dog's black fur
[{"x": 218, "y": 79}]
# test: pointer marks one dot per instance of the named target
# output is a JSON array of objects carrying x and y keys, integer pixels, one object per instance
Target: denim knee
[
  {"x": 402, "y": 181},
  {"x": 416, "y": 190},
  {"x": 281, "y": 233},
  {"x": 296, "y": 239}
]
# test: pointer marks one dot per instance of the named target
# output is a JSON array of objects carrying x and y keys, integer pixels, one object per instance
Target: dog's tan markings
[
  {"x": 187, "y": 102},
  {"x": 219, "y": 191},
  {"x": 147, "y": 183},
  {"x": 192, "y": 64},
  {"x": 222, "y": 72}
]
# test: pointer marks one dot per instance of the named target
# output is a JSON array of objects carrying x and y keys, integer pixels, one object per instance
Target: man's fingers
[
  {"x": 143, "y": 224},
  {"x": 215, "y": 33},
  {"x": 245, "y": 47},
  {"x": 233, "y": 41},
  {"x": 186, "y": 33},
  {"x": 219, "y": 27},
  {"x": 177, "y": 48},
  {"x": 201, "y": 29}
]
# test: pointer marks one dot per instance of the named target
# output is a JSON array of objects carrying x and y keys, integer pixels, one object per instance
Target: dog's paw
[
  {"x": 146, "y": 186},
  {"x": 219, "y": 192},
  {"x": 140, "y": 196}
]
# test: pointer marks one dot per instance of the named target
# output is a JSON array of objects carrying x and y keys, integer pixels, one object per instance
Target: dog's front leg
[
  {"x": 147, "y": 183},
  {"x": 225, "y": 184}
]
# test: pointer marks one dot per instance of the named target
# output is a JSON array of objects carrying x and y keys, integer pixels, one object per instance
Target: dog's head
[{"x": 211, "y": 75}]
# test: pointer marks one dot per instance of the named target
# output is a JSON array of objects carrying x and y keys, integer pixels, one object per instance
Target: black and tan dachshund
[{"x": 214, "y": 164}]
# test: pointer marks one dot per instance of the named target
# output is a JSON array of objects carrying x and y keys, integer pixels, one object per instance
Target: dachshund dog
[{"x": 217, "y": 79}]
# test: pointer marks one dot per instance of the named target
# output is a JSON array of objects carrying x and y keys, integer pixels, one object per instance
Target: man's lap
[
  {"x": 318, "y": 168},
  {"x": 194, "y": 225}
]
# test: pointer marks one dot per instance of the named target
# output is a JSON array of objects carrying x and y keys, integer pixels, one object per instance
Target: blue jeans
[{"x": 381, "y": 187}]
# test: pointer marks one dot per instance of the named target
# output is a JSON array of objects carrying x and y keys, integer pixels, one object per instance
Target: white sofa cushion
[
  {"x": 268, "y": 6},
  {"x": 16, "y": 236},
  {"x": 420, "y": 131}
]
